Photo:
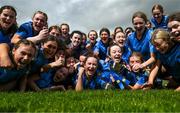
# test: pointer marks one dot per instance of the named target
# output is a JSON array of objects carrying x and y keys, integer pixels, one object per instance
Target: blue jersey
[
  {"x": 107, "y": 66},
  {"x": 162, "y": 24},
  {"x": 171, "y": 61},
  {"x": 26, "y": 30},
  {"x": 143, "y": 45},
  {"x": 93, "y": 83},
  {"x": 138, "y": 78},
  {"x": 118, "y": 72},
  {"x": 92, "y": 46},
  {"x": 7, "y": 75},
  {"x": 39, "y": 61},
  {"x": 101, "y": 48},
  {"x": 46, "y": 78},
  {"x": 126, "y": 54},
  {"x": 5, "y": 37},
  {"x": 119, "y": 80}
]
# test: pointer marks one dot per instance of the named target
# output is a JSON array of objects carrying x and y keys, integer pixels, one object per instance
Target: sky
[{"x": 86, "y": 15}]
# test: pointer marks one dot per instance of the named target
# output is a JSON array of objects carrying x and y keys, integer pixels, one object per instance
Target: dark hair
[
  {"x": 8, "y": 7},
  {"x": 14, "y": 26},
  {"x": 158, "y": 6},
  {"x": 174, "y": 17},
  {"x": 140, "y": 15},
  {"x": 78, "y": 32},
  {"x": 117, "y": 33},
  {"x": 109, "y": 48},
  {"x": 104, "y": 30},
  {"x": 129, "y": 28},
  {"x": 54, "y": 27},
  {"x": 91, "y": 55},
  {"x": 40, "y": 12},
  {"x": 25, "y": 42},
  {"x": 65, "y": 25},
  {"x": 118, "y": 27},
  {"x": 51, "y": 38},
  {"x": 93, "y": 31}
]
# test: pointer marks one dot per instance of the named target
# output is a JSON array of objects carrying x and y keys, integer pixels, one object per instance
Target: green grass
[{"x": 91, "y": 101}]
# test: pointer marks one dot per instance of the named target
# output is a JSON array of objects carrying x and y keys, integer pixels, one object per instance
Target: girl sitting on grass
[
  {"x": 138, "y": 77},
  {"x": 114, "y": 70},
  {"x": 87, "y": 77}
]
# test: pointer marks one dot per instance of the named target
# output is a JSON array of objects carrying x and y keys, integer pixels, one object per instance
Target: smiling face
[
  {"x": 70, "y": 62},
  {"x": 157, "y": 14},
  {"x": 104, "y": 37},
  {"x": 90, "y": 66},
  {"x": 76, "y": 40},
  {"x": 60, "y": 74},
  {"x": 50, "y": 48},
  {"x": 161, "y": 45},
  {"x": 55, "y": 32},
  {"x": 139, "y": 24},
  {"x": 7, "y": 19},
  {"x": 64, "y": 29},
  {"x": 115, "y": 53},
  {"x": 120, "y": 39},
  {"x": 92, "y": 36},
  {"x": 23, "y": 55},
  {"x": 39, "y": 21},
  {"x": 174, "y": 28},
  {"x": 133, "y": 60}
]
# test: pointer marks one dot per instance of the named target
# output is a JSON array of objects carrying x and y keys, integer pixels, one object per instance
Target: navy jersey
[
  {"x": 171, "y": 61},
  {"x": 93, "y": 83},
  {"x": 138, "y": 78},
  {"x": 162, "y": 24},
  {"x": 7, "y": 75},
  {"x": 26, "y": 30},
  {"x": 143, "y": 45}
]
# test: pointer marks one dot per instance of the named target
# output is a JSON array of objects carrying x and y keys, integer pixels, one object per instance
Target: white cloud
[{"x": 88, "y": 14}]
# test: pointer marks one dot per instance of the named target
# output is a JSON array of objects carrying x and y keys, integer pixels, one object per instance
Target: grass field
[{"x": 91, "y": 101}]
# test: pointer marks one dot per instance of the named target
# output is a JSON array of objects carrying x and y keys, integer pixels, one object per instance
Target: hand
[
  {"x": 81, "y": 71},
  {"x": 5, "y": 62},
  {"x": 108, "y": 86},
  {"x": 128, "y": 67},
  {"x": 88, "y": 46},
  {"x": 112, "y": 78},
  {"x": 147, "y": 86},
  {"x": 59, "y": 62},
  {"x": 43, "y": 34},
  {"x": 137, "y": 67}
]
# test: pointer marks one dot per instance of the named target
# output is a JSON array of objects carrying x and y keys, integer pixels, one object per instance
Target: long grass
[{"x": 91, "y": 101}]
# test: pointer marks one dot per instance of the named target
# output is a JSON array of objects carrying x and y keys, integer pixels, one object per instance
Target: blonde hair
[{"x": 161, "y": 34}]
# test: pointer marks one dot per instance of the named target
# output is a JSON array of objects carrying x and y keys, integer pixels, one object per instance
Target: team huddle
[{"x": 35, "y": 57}]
